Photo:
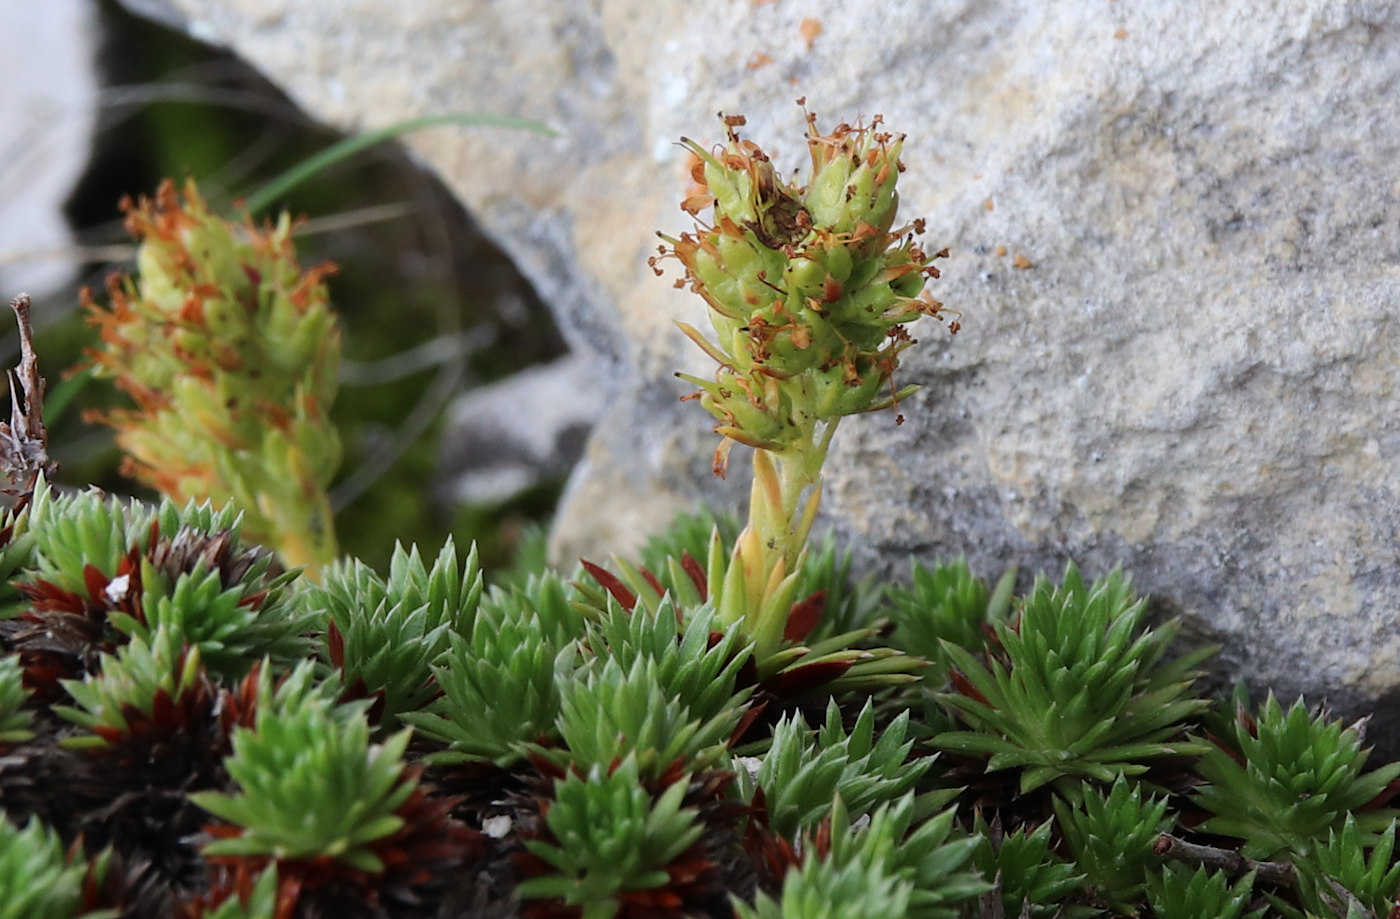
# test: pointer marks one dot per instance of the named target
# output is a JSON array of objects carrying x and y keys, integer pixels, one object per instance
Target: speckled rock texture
[
  {"x": 1175, "y": 251},
  {"x": 48, "y": 103}
]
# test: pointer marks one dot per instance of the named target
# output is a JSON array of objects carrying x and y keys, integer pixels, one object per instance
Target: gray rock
[
  {"x": 48, "y": 100},
  {"x": 1193, "y": 372},
  {"x": 509, "y": 436}
]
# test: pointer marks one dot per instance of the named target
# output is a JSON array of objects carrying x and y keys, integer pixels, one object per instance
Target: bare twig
[
  {"x": 989, "y": 904},
  {"x": 24, "y": 441},
  {"x": 1227, "y": 860},
  {"x": 1344, "y": 903}
]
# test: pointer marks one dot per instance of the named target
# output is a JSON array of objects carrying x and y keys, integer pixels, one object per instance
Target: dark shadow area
[{"x": 430, "y": 306}]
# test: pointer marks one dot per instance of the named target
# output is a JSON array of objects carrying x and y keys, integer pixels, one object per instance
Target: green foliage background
[{"x": 413, "y": 269}]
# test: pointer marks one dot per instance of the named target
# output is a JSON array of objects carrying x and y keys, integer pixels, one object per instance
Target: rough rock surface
[
  {"x": 1186, "y": 360},
  {"x": 489, "y": 456},
  {"x": 48, "y": 101}
]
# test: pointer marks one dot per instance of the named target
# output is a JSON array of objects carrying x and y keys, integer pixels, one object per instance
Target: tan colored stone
[{"x": 1195, "y": 377}]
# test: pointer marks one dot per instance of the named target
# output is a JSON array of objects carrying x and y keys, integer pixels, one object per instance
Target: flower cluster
[
  {"x": 809, "y": 289},
  {"x": 809, "y": 286},
  {"x": 230, "y": 351}
]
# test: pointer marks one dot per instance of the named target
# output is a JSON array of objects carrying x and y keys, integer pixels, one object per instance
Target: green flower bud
[
  {"x": 755, "y": 410},
  {"x": 808, "y": 286},
  {"x": 847, "y": 387}
]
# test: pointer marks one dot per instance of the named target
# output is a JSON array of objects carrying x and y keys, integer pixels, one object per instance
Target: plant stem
[
  {"x": 770, "y": 551},
  {"x": 305, "y": 534},
  {"x": 1228, "y": 860}
]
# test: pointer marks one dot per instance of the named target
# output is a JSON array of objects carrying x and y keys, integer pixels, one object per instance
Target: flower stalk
[
  {"x": 761, "y": 583},
  {"x": 809, "y": 289}
]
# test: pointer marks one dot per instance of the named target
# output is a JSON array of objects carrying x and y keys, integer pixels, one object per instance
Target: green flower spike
[
  {"x": 386, "y": 636},
  {"x": 1078, "y": 689},
  {"x": 1282, "y": 781},
  {"x": 1182, "y": 894},
  {"x": 1340, "y": 872},
  {"x": 809, "y": 289},
  {"x": 311, "y": 786},
  {"x": 1111, "y": 837},
  {"x": 231, "y": 352},
  {"x": 501, "y": 688},
  {"x": 801, "y": 773},
  {"x": 610, "y": 839},
  {"x": 15, "y": 721},
  {"x": 145, "y": 682},
  {"x": 36, "y": 879},
  {"x": 1029, "y": 878},
  {"x": 881, "y": 870}
]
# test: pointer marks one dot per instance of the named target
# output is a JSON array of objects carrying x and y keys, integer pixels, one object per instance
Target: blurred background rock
[{"x": 100, "y": 103}]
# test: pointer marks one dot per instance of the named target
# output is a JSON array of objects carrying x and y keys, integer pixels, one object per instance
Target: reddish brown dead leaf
[{"x": 610, "y": 582}]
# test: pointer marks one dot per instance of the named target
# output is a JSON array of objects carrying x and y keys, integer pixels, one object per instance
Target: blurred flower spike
[{"x": 230, "y": 351}]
